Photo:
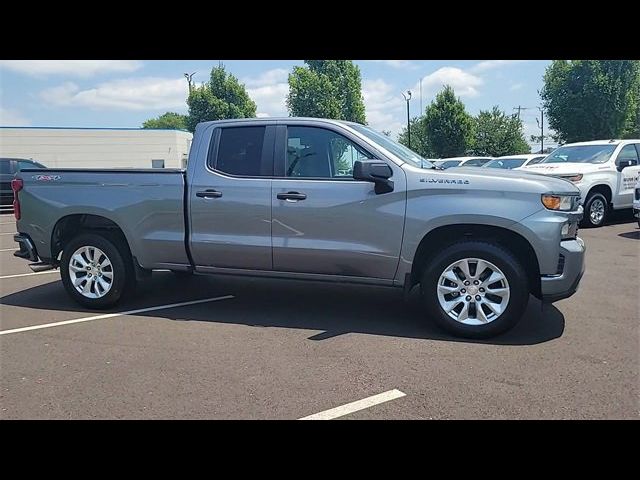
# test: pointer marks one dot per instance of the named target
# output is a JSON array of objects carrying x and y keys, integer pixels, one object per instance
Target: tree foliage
[
  {"x": 497, "y": 134},
  {"x": 169, "y": 120},
  {"x": 221, "y": 98},
  {"x": 449, "y": 128},
  {"x": 592, "y": 99},
  {"x": 326, "y": 89}
]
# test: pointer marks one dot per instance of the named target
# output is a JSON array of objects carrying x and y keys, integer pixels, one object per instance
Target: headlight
[
  {"x": 573, "y": 178},
  {"x": 563, "y": 203}
]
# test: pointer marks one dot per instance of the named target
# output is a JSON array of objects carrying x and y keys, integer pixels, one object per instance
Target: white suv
[{"x": 605, "y": 171}]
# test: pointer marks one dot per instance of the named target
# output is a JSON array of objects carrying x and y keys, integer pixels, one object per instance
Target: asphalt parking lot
[{"x": 281, "y": 349}]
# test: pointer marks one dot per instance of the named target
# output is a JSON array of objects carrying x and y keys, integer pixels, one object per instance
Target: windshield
[
  {"x": 507, "y": 163},
  {"x": 581, "y": 154},
  {"x": 450, "y": 163},
  {"x": 400, "y": 151}
]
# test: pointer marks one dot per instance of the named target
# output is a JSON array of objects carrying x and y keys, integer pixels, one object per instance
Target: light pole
[
  {"x": 407, "y": 97},
  {"x": 189, "y": 76}
]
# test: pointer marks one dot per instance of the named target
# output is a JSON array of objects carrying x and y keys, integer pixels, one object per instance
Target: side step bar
[{"x": 40, "y": 267}]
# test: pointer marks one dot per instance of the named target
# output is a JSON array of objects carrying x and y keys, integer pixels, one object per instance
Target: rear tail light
[{"x": 16, "y": 186}]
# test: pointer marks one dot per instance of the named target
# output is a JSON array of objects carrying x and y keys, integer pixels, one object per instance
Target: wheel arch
[
  {"x": 442, "y": 236},
  {"x": 73, "y": 225}
]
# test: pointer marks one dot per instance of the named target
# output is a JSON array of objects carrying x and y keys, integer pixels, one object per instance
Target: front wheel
[
  {"x": 595, "y": 210},
  {"x": 93, "y": 271},
  {"x": 475, "y": 289}
]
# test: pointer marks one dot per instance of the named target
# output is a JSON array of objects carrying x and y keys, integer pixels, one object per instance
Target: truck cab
[{"x": 605, "y": 171}]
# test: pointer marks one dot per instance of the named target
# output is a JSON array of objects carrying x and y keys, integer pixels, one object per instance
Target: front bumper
[
  {"x": 557, "y": 287},
  {"x": 636, "y": 212}
]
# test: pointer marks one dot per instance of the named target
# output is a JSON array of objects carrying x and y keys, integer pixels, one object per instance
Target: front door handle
[
  {"x": 210, "y": 193},
  {"x": 291, "y": 196}
]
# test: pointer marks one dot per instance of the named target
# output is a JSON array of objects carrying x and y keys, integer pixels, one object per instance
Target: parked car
[
  {"x": 270, "y": 197},
  {"x": 511, "y": 162},
  {"x": 636, "y": 202},
  {"x": 462, "y": 161},
  {"x": 8, "y": 168},
  {"x": 605, "y": 171}
]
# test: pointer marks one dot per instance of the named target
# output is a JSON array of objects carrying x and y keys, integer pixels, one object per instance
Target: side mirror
[
  {"x": 626, "y": 163},
  {"x": 374, "y": 171}
]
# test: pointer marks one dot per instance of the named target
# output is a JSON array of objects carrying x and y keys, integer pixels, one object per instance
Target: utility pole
[
  {"x": 189, "y": 76},
  {"x": 421, "y": 111},
  {"x": 407, "y": 97},
  {"x": 541, "y": 125},
  {"x": 519, "y": 107}
]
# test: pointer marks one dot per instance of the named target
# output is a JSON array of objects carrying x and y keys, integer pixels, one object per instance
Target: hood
[
  {"x": 564, "y": 168},
  {"x": 510, "y": 180}
]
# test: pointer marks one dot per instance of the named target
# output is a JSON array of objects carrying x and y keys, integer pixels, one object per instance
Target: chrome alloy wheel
[
  {"x": 596, "y": 211},
  {"x": 91, "y": 272},
  {"x": 473, "y": 291}
]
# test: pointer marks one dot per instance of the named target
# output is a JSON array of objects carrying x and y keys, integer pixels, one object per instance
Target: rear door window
[
  {"x": 5, "y": 167},
  {"x": 240, "y": 152}
]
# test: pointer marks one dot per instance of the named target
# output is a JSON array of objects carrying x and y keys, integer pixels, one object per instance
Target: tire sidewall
[
  {"x": 587, "y": 208},
  {"x": 120, "y": 272},
  {"x": 501, "y": 258}
]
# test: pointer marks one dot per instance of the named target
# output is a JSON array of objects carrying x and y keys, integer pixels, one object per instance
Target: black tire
[
  {"x": 501, "y": 258},
  {"x": 587, "y": 220},
  {"x": 123, "y": 275}
]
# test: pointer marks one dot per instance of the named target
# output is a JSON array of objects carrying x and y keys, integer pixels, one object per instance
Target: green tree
[
  {"x": 449, "y": 128},
  {"x": 169, "y": 120},
  {"x": 591, "y": 99},
  {"x": 220, "y": 98},
  {"x": 497, "y": 134},
  {"x": 419, "y": 140},
  {"x": 326, "y": 89}
]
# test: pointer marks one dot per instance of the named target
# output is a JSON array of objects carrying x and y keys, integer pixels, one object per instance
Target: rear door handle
[
  {"x": 210, "y": 193},
  {"x": 291, "y": 196}
]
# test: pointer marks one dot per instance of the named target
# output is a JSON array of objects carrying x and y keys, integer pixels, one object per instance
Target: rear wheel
[
  {"x": 475, "y": 289},
  {"x": 94, "y": 271},
  {"x": 596, "y": 210}
]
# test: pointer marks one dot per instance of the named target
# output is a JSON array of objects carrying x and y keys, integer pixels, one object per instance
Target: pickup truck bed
[{"x": 147, "y": 204}]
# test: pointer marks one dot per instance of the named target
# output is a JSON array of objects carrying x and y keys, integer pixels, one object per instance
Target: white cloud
[
  {"x": 384, "y": 105},
  {"x": 270, "y": 77},
  {"x": 269, "y": 90},
  {"x": 77, "y": 68},
  {"x": 464, "y": 83},
  {"x": 516, "y": 86},
  {"x": 492, "y": 64},
  {"x": 12, "y": 118},
  {"x": 145, "y": 93},
  {"x": 399, "y": 64}
]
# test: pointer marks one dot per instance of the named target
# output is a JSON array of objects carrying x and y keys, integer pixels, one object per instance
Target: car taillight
[{"x": 16, "y": 186}]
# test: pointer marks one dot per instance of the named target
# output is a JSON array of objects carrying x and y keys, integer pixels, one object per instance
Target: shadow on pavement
[
  {"x": 335, "y": 309},
  {"x": 633, "y": 235}
]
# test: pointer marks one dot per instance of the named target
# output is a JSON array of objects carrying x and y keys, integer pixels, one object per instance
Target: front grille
[{"x": 560, "y": 267}]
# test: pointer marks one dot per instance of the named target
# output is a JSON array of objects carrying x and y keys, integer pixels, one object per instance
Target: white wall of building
[{"x": 96, "y": 147}]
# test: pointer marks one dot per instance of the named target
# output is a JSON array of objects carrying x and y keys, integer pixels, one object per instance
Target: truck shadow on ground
[
  {"x": 632, "y": 235},
  {"x": 335, "y": 309}
]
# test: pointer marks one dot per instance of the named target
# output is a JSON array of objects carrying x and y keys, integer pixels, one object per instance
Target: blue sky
[{"x": 124, "y": 93}]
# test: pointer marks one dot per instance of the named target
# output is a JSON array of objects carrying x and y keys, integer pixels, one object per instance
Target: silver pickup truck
[{"x": 311, "y": 199}]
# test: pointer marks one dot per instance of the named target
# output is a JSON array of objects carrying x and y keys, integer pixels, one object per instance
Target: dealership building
[{"x": 60, "y": 147}]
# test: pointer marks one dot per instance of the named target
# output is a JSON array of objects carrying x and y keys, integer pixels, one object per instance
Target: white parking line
[
  {"x": 8, "y": 249},
  {"x": 356, "y": 406},
  {"x": 8, "y": 233},
  {"x": 7, "y": 223},
  {"x": 112, "y": 315},
  {"x": 28, "y": 274}
]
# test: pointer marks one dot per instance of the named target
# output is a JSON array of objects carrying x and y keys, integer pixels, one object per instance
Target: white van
[{"x": 605, "y": 171}]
